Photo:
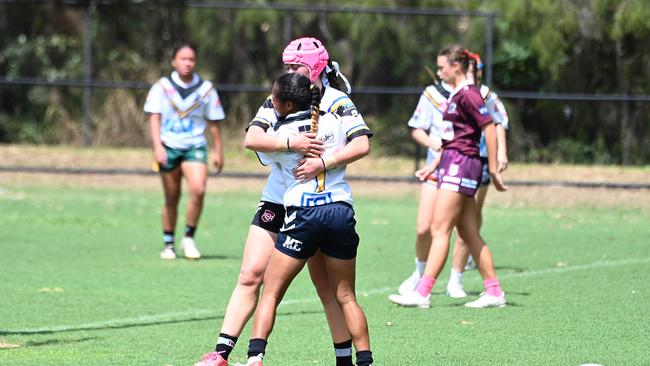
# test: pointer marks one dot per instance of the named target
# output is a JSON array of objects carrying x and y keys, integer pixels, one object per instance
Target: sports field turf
[{"x": 82, "y": 284}]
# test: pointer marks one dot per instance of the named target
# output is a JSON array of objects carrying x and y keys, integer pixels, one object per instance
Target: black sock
[
  {"x": 256, "y": 347},
  {"x": 225, "y": 344},
  {"x": 189, "y": 231},
  {"x": 364, "y": 358},
  {"x": 168, "y": 238},
  {"x": 343, "y": 353}
]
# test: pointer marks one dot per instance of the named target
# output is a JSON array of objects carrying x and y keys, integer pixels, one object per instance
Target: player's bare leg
[
  {"x": 257, "y": 252},
  {"x": 171, "y": 182},
  {"x": 335, "y": 319},
  {"x": 342, "y": 274},
  {"x": 196, "y": 175}
]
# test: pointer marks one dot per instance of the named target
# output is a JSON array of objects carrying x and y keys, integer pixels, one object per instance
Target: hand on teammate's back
[
  {"x": 308, "y": 169},
  {"x": 307, "y": 144}
]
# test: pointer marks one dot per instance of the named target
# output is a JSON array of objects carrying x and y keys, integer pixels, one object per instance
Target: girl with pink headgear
[{"x": 306, "y": 56}]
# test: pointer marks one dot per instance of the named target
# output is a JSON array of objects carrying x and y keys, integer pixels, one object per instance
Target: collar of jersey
[
  {"x": 459, "y": 87},
  {"x": 177, "y": 79},
  {"x": 292, "y": 117}
]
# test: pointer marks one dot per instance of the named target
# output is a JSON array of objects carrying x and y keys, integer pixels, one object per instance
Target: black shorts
[
  {"x": 269, "y": 216},
  {"x": 485, "y": 172},
  {"x": 330, "y": 228}
]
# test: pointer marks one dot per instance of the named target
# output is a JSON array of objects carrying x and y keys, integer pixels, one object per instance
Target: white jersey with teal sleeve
[
  {"x": 428, "y": 113},
  {"x": 333, "y": 101},
  {"x": 334, "y": 131},
  {"x": 497, "y": 111},
  {"x": 184, "y": 110}
]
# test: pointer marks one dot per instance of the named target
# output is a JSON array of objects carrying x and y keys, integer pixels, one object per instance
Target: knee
[
  {"x": 171, "y": 200},
  {"x": 324, "y": 292},
  {"x": 345, "y": 298},
  {"x": 197, "y": 192},
  {"x": 249, "y": 277},
  {"x": 423, "y": 231}
]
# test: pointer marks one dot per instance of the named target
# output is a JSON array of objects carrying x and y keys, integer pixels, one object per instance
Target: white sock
[
  {"x": 455, "y": 277},
  {"x": 419, "y": 266}
]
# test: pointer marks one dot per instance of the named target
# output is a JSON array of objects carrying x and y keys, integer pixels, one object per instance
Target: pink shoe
[{"x": 212, "y": 359}]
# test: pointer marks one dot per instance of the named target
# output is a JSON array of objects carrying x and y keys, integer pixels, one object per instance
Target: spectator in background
[{"x": 181, "y": 107}]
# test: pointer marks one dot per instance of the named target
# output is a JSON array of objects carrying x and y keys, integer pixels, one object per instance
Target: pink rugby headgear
[{"x": 309, "y": 52}]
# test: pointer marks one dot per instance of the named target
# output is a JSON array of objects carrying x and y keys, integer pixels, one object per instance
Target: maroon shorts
[{"x": 459, "y": 173}]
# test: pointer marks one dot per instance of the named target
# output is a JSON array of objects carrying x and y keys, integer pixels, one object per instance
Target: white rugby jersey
[
  {"x": 333, "y": 101},
  {"x": 183, "y": 120},
  {"x": 497, "y": 111},
  {"x": 335, "y": 132},
  {"x": 428, "y": 113}
]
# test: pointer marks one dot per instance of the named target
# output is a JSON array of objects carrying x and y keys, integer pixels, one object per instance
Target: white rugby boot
[
  {"x": 488, "y": 301},
  {"x": 189, "y": 248}
]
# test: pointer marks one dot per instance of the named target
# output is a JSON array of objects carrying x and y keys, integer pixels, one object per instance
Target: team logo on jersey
[
  {"x": 451, "y": 108},
  {"x": 304, "y": 129},
  {"x": 329, "y": 136},
  {"x": 453, "y": 170},
  {"x": 483, "y": 111},
  {"x": 292, "y": 244},
  {"x": 268, "y": 216}
]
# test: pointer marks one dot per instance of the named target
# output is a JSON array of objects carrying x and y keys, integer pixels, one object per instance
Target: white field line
[{"x": 176, "y": 316}]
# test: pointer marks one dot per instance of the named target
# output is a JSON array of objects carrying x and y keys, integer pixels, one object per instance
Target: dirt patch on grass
[
  {"x": 516, "y": 196},
  {"x": 245, "y": 162}
]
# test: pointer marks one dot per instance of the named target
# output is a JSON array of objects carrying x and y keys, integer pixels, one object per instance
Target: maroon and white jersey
[{"x": 464, "y": 119}]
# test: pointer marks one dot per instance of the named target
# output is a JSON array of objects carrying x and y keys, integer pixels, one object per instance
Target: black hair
[
  {"x": 179, "y": 46},
  {"x": 331, "y": 76},
  {"x": 295, "y": 88}
]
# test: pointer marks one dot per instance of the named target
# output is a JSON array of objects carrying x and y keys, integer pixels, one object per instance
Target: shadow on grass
[
  {"x": 216, "y": 256},
  {"x": 50, "y": 342},
  {"x": 133, "y": 324}
]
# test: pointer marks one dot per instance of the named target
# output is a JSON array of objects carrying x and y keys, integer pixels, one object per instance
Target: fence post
[
  {"x": 489, "y": 40},
  {"x": 87, "y": 96},
  {"x": 288, "y": 26}
]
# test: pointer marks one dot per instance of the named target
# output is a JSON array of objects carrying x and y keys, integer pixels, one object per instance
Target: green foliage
[{"x": 599, "y": 46}]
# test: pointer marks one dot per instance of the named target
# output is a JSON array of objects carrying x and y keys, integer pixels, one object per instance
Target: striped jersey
[
  {"x": 335, "y": 132},
  {"x": 184, "y": 109},
  {"x": 333, "y": 101},
  {"x": 428, "y": 113}
]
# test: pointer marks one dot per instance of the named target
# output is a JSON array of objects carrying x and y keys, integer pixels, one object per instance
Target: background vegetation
[{"x": 582, "y": 47}]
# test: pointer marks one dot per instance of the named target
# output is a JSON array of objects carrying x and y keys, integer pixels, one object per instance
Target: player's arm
[
  {"x": 491, "y": 141},
  {"x": 217, "y": 160},
  {"x": 306, "y": 144},
  {"x": 502, "y": 148},
  {"x": 422, "y": 137},
  {"x": 424, "y": 173},
  {"x": 159, "y": 152},
  {"x": 354, "y": 150},
  {"x": 500, "y": 117}
]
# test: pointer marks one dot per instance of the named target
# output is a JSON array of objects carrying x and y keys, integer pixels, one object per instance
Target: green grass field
[{"x": 82, "y": 284}]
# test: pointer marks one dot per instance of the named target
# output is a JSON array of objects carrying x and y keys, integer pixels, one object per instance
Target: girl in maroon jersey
[{"x": 459, "y": 173}]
